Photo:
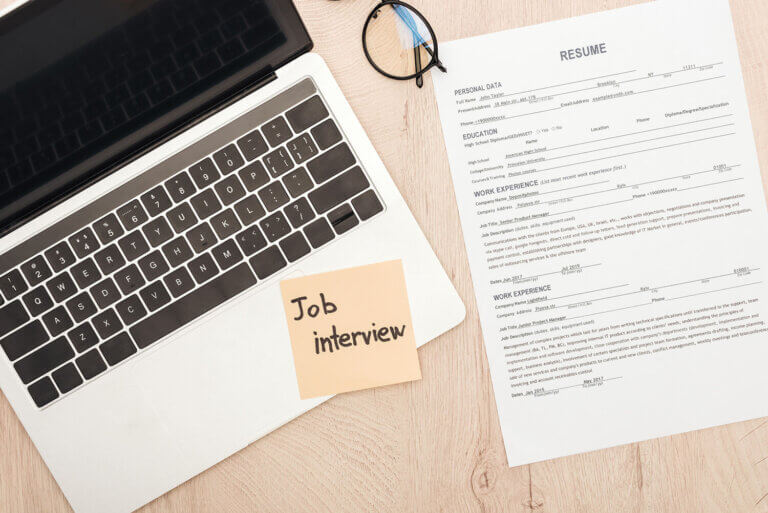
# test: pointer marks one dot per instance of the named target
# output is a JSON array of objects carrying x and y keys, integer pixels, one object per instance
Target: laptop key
[
  {"x": 12, "y": 284},
  {"x": 251, "y": 240},
  {"x": 297, "y": 182},
  {"x": 109, "y": 259},
  {"x": 203, "y": 268},
  {"x": 206, "y": 204},
  {"x": 12, "y": 316},
  {"x": 155, "y": 296},
  {"x": 36, "y": 271},
  {"x": 108, "y": 229},
  {"x": 38, "y": 301},
  {"x": 201, "y": 237},
  {"x": 338, "y": 190},
  {"x": 156, "y": 201},
  {"x": 228, "y": 159},
  {"x": 153, "y": 265},
  {"x": 275, "y": 226},
  {"x": 276, "y": 131},
  {"x": 278, "y": 162},
  {"x": 60, "y": 256},
  {"x": 229, "y": 190},
  {"x": 84, "y": 242},
  {"x": 180, "y": 187},
  {"x": 132, "y": 215},
  {"x": 177, "y": 251},
  {"x": 179, "y": 282},
  {"x": 105, "y": 293},
  {"x": 43, "y": 392},
  {"x": 249, "y": 210},
  {"x": 193, "y": 305},
  {"x": 107, "y": 324},
  {"x": 129, "y": 279},
  {"x": 254, "y": 176},
  {"x": 118, "y": 349},
  {"x": 294, "y": 246},
  {"x": 182, "y": 218},
  {"x": 307, "y": 114},
  {"x": 67, "y": 378},
  {"x": 157, "y": 231},
  {"x": 225, "y": 224},
  {"x": 326, "y": 134},
  {"x": 57, "y": 321},
  {"x": 343, "y": 219},
  {"x": 367, "y": 205},
  {"x": 331, "y": 163},
  {"x": 302, "y": 148},
  {"x": 227, "y": 254},
  {"x": 273, "y": 196},
  {"x": 252, "y": 145},
  {"x": 44, "y": 360},
  {"x": 81, "y": 307},
  {"x": 83, "y": 337},
  {"x": 91, "y": 364},
  {"x": 319, "y": 232},
  {"x": 133, "y": 245},
  {"x": 299, "y": 212},
  {"x": 24, "y": 340},
  {"x": 268, "y": 262},
  {"x": 61, "y": 287},
  {"x": 204, "y": 173},
  {"x": 85, "y": 273}
]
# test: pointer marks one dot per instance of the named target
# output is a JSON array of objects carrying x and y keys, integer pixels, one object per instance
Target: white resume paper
[{"x": 610, "y": 196}]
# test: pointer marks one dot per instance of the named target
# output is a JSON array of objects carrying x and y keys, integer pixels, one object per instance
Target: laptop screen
[{"x": 87, "y": 84}]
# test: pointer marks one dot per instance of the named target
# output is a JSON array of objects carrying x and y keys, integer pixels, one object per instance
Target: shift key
[
  {"x": 24, "y": 340},
  {"x": 44, "y": 360},
  {"x": 331, "y": 163},
  {"x": 338, "y": 190}
]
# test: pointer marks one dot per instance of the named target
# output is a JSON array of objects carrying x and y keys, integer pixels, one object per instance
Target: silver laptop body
[{"x": 142, "y": 330}]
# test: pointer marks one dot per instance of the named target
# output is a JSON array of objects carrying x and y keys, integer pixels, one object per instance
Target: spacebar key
[{"x": 193, "y": 305}]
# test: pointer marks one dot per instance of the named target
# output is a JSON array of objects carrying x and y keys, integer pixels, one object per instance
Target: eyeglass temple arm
[
  {"x": 417, "y": 58},
  {"x": 405, "y": 16},
  {"x": 439, "y": 64}
]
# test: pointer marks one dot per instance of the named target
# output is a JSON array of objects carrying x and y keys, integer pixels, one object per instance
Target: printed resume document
[{"x": 608, "y": 185}]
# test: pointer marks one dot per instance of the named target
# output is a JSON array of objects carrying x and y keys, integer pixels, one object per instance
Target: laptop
[{"x": 163, "y": 165}]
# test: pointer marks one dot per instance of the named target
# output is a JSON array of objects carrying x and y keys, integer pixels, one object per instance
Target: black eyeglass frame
[{"x": 435, "y": 61}]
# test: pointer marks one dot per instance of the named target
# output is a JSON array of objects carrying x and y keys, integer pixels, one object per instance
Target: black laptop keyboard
[{"x": 175, "y": 243}]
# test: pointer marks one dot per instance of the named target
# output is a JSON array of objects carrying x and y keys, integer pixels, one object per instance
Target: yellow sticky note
[{"x": 351, "y": 329}]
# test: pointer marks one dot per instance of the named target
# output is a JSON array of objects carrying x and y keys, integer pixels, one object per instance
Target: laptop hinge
[{"x": 272, "y": 76}]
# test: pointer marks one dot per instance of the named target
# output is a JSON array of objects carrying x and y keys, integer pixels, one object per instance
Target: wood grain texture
[{"x": 435, "y": 446}]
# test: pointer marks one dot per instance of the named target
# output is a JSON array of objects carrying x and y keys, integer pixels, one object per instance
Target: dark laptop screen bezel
[{"x": 232, "y": 87}]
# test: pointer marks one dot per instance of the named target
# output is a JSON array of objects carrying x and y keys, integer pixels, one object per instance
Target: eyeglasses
[{"x": 399, "y": 42}]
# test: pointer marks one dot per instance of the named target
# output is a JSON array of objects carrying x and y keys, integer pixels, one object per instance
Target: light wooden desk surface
[{"x": 435, "y": 445}]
